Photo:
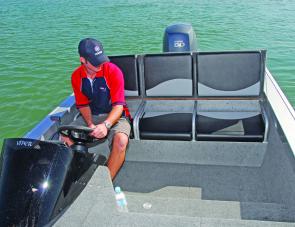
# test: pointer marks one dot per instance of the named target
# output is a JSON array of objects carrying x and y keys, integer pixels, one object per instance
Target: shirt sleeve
[
  {"x": 81, "y": 99},
  {"x": 116, "y": 85}
]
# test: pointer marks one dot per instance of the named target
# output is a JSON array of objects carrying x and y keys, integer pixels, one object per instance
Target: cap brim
[{"x": 98, "y": 60}]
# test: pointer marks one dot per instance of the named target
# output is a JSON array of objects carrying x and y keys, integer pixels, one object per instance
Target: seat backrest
[
  {"x": 234, "y": 74},
  {"x": 128, "y": 66},
  {"x": 168, "y": 75}
]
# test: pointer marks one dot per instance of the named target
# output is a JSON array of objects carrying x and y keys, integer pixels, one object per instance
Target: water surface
[{"x": 39, "y": 38}]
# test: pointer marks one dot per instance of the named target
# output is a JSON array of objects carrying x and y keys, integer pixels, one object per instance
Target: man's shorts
[{"x": 122, "y": 125}]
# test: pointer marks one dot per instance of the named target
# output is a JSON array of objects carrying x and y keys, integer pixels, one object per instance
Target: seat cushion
[
  {"x": 243, "y": 129},
  {"x": 129, "y": 68},
  {"x": 171, "y": 126},
  {"x": 168, "y": 75},
  {"x": 243, "y": 70}
]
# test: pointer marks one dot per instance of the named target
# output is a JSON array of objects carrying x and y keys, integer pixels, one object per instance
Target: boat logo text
[
  {"x": 179, "y": 43},
  {"x": 24, "y": 143}
]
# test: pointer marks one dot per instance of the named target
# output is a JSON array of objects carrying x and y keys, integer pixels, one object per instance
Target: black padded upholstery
[
  {"x": 168, "y": 75},
  {"x": 174, "y": 126},
  {"x": 129, "y": 68},
  {"x": 230, "y": 74},
  {"x": 174, "y": 72},
  {"x": 249, "y": 129}
]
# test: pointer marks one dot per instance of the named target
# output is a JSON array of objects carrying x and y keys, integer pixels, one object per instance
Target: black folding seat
[
  {"x": 233, "y": 84},
  {"x": 167, "y": 79}
]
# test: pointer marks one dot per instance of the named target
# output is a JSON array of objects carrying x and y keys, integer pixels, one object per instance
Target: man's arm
[
  {"x": 86, "y": 114},
  {"x": 115, "y": 114},
  {"x": 101, "y": 130}
]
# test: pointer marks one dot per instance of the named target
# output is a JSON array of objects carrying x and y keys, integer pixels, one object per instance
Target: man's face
[{"x": 91, "y": 69}]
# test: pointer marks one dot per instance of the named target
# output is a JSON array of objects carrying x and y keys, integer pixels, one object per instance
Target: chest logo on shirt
[{"x": 103, "y": 89}]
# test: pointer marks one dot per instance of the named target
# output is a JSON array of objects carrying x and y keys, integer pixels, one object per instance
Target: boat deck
[
  {"x": 204, "y": 152},
  {"x": 96, "y": 206}
]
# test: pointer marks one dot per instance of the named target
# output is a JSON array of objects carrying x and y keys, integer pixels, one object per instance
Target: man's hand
[
  {"x": 92, "y": 126},
  {"x": 100, "y": 131}
]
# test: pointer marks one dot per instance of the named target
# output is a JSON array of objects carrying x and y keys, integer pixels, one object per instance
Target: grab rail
[{"x": 282, "y": 108}]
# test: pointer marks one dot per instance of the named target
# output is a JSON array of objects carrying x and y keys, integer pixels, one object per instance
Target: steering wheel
[{"x": 79, "y": 134}]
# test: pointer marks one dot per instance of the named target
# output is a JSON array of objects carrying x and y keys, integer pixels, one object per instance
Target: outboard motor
[{"x": 179, "y": 38}]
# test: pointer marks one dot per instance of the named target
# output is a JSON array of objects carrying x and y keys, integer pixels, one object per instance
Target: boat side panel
[
  {"x": 63, "y": 114},
  {"x": 279, "y": 164}
]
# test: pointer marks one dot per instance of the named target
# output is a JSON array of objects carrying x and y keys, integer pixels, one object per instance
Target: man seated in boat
[{"x": 98, "y": 86}]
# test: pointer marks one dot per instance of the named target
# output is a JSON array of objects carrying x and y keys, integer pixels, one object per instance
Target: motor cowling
[{"x": 179, "y": 38}]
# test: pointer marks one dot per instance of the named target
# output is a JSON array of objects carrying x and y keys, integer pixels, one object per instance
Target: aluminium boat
[{"x": 212, "y": 144}]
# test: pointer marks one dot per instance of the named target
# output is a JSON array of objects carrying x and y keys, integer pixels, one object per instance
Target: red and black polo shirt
[{"x": 101, "y": 93}]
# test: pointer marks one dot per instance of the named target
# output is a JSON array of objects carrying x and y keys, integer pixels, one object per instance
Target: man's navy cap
[{"x": 92, "y": 50}]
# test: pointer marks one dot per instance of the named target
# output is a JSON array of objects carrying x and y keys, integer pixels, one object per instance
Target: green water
[{"x": 38, "y": 42}]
